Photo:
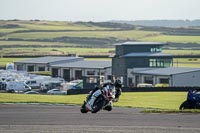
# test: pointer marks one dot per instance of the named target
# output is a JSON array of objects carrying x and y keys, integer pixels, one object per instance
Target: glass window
[
  {"x": 41, "y": 68},
  {"x": 33, "y": 82},
  {"x": 148, "y": 79},
  {"x": 160, "y": 62},
  {"x": 31, "y": 68},
  {"x": 19, "y": 67},
  {"x": 164, "y": 80},
  {"x": 156, "y": 49},
  {"x": 91, "y": 80},
  {"x": 90, "y": 72}
]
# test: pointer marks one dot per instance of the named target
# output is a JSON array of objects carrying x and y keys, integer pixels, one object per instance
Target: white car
[
  {"x": 56, "y": 92},
  {"x": 31, "y": 92}
]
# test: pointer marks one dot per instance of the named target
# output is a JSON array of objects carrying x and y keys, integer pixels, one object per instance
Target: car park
[{"x": 56, "y": 92}]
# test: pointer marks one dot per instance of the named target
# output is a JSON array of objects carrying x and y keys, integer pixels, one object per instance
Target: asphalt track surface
[{"x": 24, "y": 118}]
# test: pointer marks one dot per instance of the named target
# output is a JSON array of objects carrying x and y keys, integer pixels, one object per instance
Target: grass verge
[
  {"x": 152, "y": 102},
  {"x": 170, "y": 111}
]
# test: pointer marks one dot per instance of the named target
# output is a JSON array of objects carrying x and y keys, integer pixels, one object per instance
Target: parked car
[
  {"x": 31, "y": 92},
  {"x": 144, "y": 85},
  {"x": 192, "y": 101},
  {"x": 162, "y": 85},
  {"x": 33, "y": 83},
  {"x": 56, "y": 92}
]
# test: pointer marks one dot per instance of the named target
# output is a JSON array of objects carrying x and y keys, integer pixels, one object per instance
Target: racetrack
[{"x": 23, "y": 118}]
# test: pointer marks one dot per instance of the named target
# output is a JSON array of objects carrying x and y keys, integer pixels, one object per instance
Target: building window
[
  {"x": 78, "y": 74},
  {"x": 91, "y": 80},
  {"x": 164, "y": 80},
  {"x": 109, "y": 77},
  {"x": 102, "y": 73},
  {"x": 31, "y": 68},
  {"x": 54, "y": 72},
  {"x": 160, "y": 62},
  {"x": 156, "y": 50},
  {"x": 130, "y": 82},
  {"x": 148, "y": 79},
  {"x": 41, "y": 68},
  {"x": 90, "y": 72},
  {"x": 19, "y": 67}
]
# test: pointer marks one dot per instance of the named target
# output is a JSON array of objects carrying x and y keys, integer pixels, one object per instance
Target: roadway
[{"x": 23, "y": 118}]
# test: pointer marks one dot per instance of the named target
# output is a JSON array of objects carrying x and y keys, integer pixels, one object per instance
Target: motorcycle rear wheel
[{"x": 98, "y": 104}]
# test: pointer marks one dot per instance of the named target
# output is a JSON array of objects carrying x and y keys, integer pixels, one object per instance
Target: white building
[
  {"x": 42, "y": 63},
  {"x": 174, "y": 76},
  {"x": 78, "y": 69}
]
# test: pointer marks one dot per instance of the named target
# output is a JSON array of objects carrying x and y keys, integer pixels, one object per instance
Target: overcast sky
[{"x": 99, "y": 10}]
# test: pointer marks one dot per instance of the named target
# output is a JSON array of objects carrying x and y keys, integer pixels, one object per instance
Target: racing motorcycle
[
  {"x": 193, "y": 100},
  {"x": 103, "y": 101}
]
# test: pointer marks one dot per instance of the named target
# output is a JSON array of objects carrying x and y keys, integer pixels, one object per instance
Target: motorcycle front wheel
[
  {"x": 83, "y": 109},
  {"x": 184, "y": 105}
]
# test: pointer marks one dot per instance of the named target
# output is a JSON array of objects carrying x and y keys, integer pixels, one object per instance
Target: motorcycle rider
[
  {"x": 110, "y": 90},
  {"x": 118, "y": 86}
]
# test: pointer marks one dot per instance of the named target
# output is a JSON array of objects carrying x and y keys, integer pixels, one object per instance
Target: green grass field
[
  {"x": 55, "y": 51},
  {"x": 123, "y": 35},
  {"x": 4, "y": 61},
  {"x": 170, "y": 38},
  {"x": 182, "y": 52},
  {"x": 78, "y": 30},
  {"x": 46, "y": 25},
  {"x": 153, "y": 100}
]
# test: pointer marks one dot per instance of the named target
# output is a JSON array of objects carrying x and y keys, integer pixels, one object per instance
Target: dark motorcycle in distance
[{"x": 193, "y": 100}]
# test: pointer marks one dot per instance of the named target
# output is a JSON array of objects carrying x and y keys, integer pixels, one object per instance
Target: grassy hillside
[
  {"x": 173, "y": 38},
  {"x": 54, "y": 37},
  {"x": 120, "y": 35}
]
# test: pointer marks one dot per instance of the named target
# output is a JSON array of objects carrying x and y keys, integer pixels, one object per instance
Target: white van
[
  {"x": 48, "y": 85},
  {"x": 75, "y": 84},
  {"x": 35, "y": 84},
  {"x": 17, "y": 86}
]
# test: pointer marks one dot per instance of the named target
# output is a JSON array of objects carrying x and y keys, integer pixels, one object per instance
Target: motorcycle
[
  {"x": 103, "y": 101},
  {"x": 193, "y": 100}
]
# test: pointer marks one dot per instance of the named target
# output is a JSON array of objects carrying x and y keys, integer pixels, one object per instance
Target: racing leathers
[{"x": 107, "y": 91}]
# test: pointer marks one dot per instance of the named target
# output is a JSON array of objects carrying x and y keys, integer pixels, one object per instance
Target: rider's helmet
[
  {"x": 118, "y": 83},
  {"x": 109, "y": 90},
  {"x": 108, "y": 82}
]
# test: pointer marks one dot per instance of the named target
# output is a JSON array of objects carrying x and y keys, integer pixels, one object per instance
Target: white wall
[
  {"x": 156, "y": 78},
  {"x": 186, "y": 79}
]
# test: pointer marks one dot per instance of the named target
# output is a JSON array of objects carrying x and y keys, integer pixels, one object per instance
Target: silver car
[{"x": 56, "y": 92}]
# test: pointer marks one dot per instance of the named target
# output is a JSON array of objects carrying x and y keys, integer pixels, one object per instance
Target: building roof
[
  {"x": 47, "y": 59},
  {"x": 85, "y": 64},
  {"x": 146, "y": 54},
  {"x": 164, "y": 71},
  {"x": 142, "y": 43}
]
